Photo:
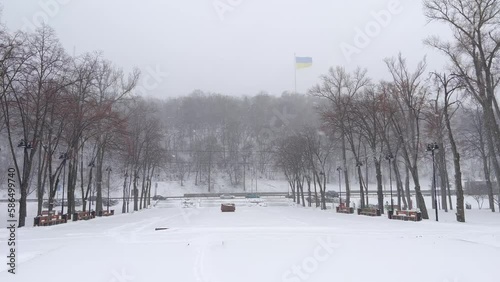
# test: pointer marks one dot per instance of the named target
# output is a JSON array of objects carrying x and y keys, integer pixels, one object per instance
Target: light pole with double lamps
[
  {"x": 339, "y": 169},
  {"x": 390, "y": 157},
  {"x": 63, "y": 157},
  {"x": 432, "y": 147},
  {"x": 108, "y": 169}
]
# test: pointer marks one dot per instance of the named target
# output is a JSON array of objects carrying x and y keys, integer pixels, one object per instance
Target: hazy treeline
[{"x": 209, "y": 134}]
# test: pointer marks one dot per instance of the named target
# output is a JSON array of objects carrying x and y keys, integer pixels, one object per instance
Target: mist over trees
[{"x": 75, "y": 119}]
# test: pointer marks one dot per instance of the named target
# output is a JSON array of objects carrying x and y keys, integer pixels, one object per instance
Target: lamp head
[
  {"x": 21, "y": 144},
  {"x": 432, "y": 147}
]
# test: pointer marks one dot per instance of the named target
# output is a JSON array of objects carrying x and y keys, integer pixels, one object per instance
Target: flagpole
[{"x": 295, "y": 67}]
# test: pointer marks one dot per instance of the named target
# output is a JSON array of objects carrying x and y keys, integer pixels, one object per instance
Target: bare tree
[
  {"x": 339, "y": 88},
  {"x": 372, "y": 113},
  {"x": 32, "y": 96},
  {"x": 111, "y": 88},
  {"x": 448, "y": 85},
  {"x": 388, "y": 108},
  {"x": 410, "y": 94},
  {"x": 434, "y": 116},
  {"x": 475, "y": 142},
  {"x": 318, "y": 150},
  {"x": 474, "y": 53},
  {"x": 293, "y": 160}
]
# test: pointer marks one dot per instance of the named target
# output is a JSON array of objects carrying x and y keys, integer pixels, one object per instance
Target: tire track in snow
[
  {"x": 131, "y": 235},
  {"x": 203, "y": 244}
]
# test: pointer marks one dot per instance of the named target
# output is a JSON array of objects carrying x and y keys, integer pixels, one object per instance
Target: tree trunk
[
  {"x": 124, "y": 196},
  {"x": 458, "y": 173},
  {"x": 129, "y": 191},
  {"x": 42, "y": 178},
  {"x": 72, "y": 175},
  {"x": 308, "y": 179},
  {"x": 361, "y": 188},
  {"x": 136, "y": 192},
  {"x": 402, "y": 201},
  {"x": 99, "y": 175},
  {"x": 27, "y": 163},
  {"x": 448, "y": 188},
  {"x": 487, "y": 177},
  {"x": 82, "y": 185},
  {"x": 380, "y": 192},
  {"x": 442, "y": 174},
  {"x": 366, "y": 182},
  {"x": 147, "y": 201},
  {"x": 407, "y": 187},
  {"x": 302, "y": 192},
  {"x": 143, "y": 190},
  {"x": 490, "y": 127},
  {"x": 346, "y": 173},
  {"x": 322, "y": 190},
  {"x": 86, "y": 197},
  {"x": 418, "y": 192},
  {"x": 316, "y": 199}
]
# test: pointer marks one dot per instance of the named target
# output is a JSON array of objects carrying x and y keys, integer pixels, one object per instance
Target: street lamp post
[
  {"x": 26, "y": 146},
  {"x": 339, "y": 169},
  {"x": 136, "y": 193},
  {"x": 108, "y": 169},
  {"x": 431, "y": 147},
  {"x": 64, "y": 157},
  {"x": 322, "y": 174},
  {"x": 91, "y": 198},
  {"x": 389, "y": 157}
]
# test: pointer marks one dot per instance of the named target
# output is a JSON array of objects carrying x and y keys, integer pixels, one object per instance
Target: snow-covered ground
[{"x": 268, "y": 241}]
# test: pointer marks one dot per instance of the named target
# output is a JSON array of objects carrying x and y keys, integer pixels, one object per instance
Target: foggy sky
[{"x": 244, "y": 47}]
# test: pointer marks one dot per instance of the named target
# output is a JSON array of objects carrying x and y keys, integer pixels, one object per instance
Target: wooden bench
[
  {"x": 227, "y": 207},
  {"x": 344, "y": 209},
  {"x": 49, "y": 219},
  {"x": 81, "y": 215},
  {"x": 407, "y": 215},
  {"x": 107, "y": 213},
  {"x": 369, "y": 212}
]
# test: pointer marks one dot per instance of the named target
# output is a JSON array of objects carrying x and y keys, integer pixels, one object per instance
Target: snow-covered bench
[
  {"x": 49, "y": 219},
  {"x": 344, "y": 209},
  {"x": 83, "y": 215},
  {"x": 369, "y": 212},
  {"x": 107, "y": 213},
  {"x": 227, "y": 207},
  {"x": 407, "y": 215}
]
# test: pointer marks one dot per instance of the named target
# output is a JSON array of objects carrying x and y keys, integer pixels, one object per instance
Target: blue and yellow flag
[{"x": 303, "y": 62}]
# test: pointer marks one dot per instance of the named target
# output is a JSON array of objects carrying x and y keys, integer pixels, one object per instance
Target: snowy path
[{"x": 257, "y": 244}]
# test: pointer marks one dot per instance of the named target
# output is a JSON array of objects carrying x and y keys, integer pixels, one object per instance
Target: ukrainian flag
[{"x": 303, "y": 62}]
